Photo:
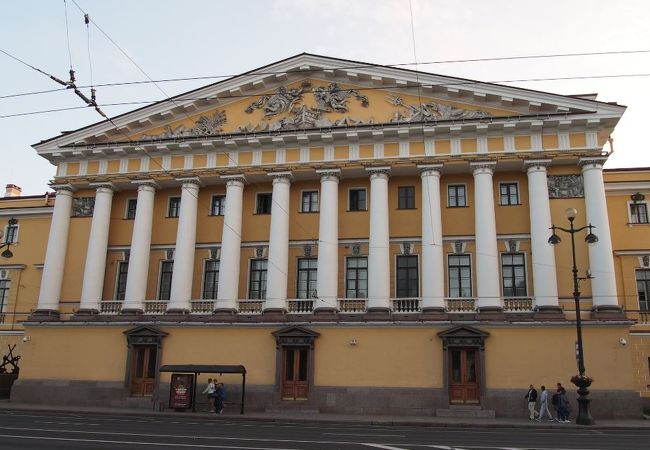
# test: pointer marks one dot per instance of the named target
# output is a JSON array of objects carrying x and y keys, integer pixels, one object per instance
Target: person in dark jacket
[
  {"x": 531, "y": 397},
  {"x": 562, "y": 405},
  {"x": 220, "y": 393}
]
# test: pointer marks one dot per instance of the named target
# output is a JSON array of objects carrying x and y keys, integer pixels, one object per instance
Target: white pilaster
[
  {"x": 278, "y": 260},
  {"x": 328, "y": 240},
  {"x": 57, "y": 244},
  {"x": 378, "y": 253},
  {"x": 487, "y": 255},
  {"x": 228, "y": 290},
  {"x": 433, "y": 265},
  {"x": 136, "y": 277},
  {"x": 181, "y": 288},
  {"x": 543, "y": 253},
  {"x": 93, "y": 281},
  {"x": 601, "y": 257}
]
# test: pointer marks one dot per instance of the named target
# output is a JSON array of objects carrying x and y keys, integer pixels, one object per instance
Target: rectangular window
[
  {"x": 174, "y": 208},
  {"x": 263, "y": 205},
  {"x": 4, "y": 295},
  {"x": 310, "y": 201},
  {"x": 306, "y": 287},
  {"x": 456, "y": 196},
  {"x": 639, "y": 212},
  {"x": 460, "y": 276},
  {"x": 643, "y": 288},
  {"x": 218, "y": 206},
  {"x": 131, "y": 205},
  {"x": 356, "y": 277},
  {"x": 406, "y": 197},
  {"x": 257, "y": 283},
  {"x": 166, "y": 269},
  {"x": 120, "y": 285},
  {"x": 407, "y": 276},
  {"x": 509, "y": 194},
  {"x": 11, "y": 234},
  {"x": 513, "y": 271},
  {"x": 357, "y": 199},
  {"x": 210, "y": 279}
]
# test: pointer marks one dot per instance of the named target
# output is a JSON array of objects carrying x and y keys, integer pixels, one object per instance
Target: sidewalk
[{"x": 419, "y": 421}]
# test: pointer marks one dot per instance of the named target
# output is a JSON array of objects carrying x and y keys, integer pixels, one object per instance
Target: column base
[
  {"x": 377, "y": 314},
  {"x": 549, "y": 312},
  {"x": 608, "y": 312},
  {"x": 86, "y": 314},
  {"x": 274, "y": 315},
  {"x": 178, "y": 311},
  {"x": 131, "y": 311},
  {"x": 325, "y": 314},
  {"x": 44, "y": 315},
  {"x": 433, "y": 313},
  {"x": 225, "y": 311}
]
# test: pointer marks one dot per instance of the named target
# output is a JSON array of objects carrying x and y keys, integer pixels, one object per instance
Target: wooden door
[
  {"x": 463, "y": 376},
  {"x": 143, "y": 370},
  {"x": 295, "y": 385}
]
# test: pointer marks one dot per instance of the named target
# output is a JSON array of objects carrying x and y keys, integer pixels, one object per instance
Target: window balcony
[
  {"x": 518, "y": 304},
  {"x": 110, "y": 307},
  {"x": 406, "y": 305},
  {"x": 460, "y": 305},
  {"x": 250, "y": 306},
  {"x": 300, "y": 306},
  {"x": 353, "y": 305},
  {"x": 201, "y": 306}
]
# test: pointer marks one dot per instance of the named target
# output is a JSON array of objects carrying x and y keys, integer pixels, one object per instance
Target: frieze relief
[
  {"x": 204, "y": 126},
  {"x": 431, "y": 111},
  {"x": 565, "y": 186},
  {"x": 83, "y": 206}
]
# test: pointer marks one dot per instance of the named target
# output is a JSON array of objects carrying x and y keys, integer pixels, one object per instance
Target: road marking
[
  {"x": 366, "y": 435},
  {"x": 78, "y": 424},
  {"x": 385, "y": 447}
]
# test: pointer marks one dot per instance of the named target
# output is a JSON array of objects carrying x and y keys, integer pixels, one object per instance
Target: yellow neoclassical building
[{"x": 362, "y": 238}]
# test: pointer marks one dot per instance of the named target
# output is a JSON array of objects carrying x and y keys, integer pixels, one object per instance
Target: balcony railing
[
  {"x": 642, "y": 316},
  {"x": 250, "y": 306},
  {"x": 406, "y": 305},
  {"x": 353, "y": 305},
  {"x": 300, "y": 306},
  {"x": 518, "y": 304},
  {"x": 460, "y": 305},
  {"x": 201, "y": 306},
  {"x": 155, "y": 306},
  {"x": 110, "y": 307}
]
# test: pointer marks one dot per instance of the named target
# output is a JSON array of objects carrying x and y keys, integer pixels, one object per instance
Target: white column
[
  {"x": 378, "y": 252},
  {"x": 136, "y": 277},
  {"x": 228, "y": 288},
  {"x": 57, "y": 244},
  {"x": 278, "y": 260},
  {"x": 95, "y": 268},
  {"x": 601, "y": 257},
  {"x": 181, "y": 288},
  {"x": 328, "y": 242},
  {"x": 433, "y": 264},
  {"x": 543, "y": 253},
  {"x": 487, "y": 255}
]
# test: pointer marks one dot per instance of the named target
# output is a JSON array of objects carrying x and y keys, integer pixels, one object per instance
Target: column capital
[
  {"x": 429, "y": 169},
  {"x": 592, "y": 163},
  {"x": 329, "y": 174},
  {"x": 232, "y": 180},
  {"x": 196, "y": 181},
  {"x": 536, "y": 164},
  {"x": 105, "y": 186},
  {"x": 281, "y": 177},
  {"x": 143, "y": 184},
  {"x": 483, "y": 167},
  {"x": 63, "y": 188},
  {"x": 383, "y": 172}
]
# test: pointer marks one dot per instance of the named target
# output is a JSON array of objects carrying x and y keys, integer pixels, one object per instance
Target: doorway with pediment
[{"x": 294, "y": 363}]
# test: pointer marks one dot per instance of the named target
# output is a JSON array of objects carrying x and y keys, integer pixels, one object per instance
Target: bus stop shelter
[{"x": 198, "y": 369}]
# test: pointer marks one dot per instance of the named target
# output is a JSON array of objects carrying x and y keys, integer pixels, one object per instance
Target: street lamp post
[{"x": 582, "y": 381}]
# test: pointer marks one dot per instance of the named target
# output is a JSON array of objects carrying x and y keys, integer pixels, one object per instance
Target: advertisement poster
[{"x": 180, "y": 392}]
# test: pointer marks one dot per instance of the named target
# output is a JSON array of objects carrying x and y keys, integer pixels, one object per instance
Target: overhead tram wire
[{"x": 356, "y": 66}]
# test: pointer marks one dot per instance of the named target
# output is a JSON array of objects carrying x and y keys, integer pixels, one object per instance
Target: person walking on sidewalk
[
  {"x": 543, "y": 406},
  {"x": 220, "y": 394},
  {"x": 210, "y": 390},
  {"x": 531, "y": 397}
]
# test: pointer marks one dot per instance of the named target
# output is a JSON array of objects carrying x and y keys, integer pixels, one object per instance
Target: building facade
[{"x": 362, "y": 239}]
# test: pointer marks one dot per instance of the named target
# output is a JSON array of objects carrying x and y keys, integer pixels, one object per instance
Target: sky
[{"x": 200, "y": 38}]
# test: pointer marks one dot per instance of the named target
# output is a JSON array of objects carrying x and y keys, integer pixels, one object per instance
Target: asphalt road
[{"x": 33, "y": 430}]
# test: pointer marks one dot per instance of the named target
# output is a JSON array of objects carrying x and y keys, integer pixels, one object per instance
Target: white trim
[
  {"x": 631, "y": 252},
  {"x": 212, "y": 203},
  {"x": 515, "y": 182},
  {"x": 144, "y": 163},
  {"x": 629, "y": 212},
  {"x": 126, "y": 208},
  {"x": 12, "y": 266},
  {"x": 447, "y": 195},
  {"x": 169, "y": 201},
  {"x": 124, "y": 165},
  {"x": 302, "y": 191},
  {"x": 19, "y": 212},
  {"x": 4, "y": 234},
  {"x": 378, "y": 150}
]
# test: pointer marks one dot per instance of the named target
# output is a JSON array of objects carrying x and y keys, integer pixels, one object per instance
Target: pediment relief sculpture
[
  {"x": 282, "y": 101},
  {"x": 334, "y": 99},
  {"x": 430, "y": 111},
  {"x": 203, "y": 126},
  {"x": 565, "y": 186}
]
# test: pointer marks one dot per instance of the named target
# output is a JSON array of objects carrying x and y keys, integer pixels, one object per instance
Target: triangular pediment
[
  {"x": 310, "y": 92},
  {"x": 295, "y": 331},
  {"x": 145, "y": 331},
  {"x": 463, "y": 331}
]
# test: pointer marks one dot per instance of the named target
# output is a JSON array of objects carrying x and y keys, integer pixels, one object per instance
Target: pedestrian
[
  {"x": 531, "y": 397},
  {"x": 543, "y": 406},
  {"x": 562, "y": 405},
  {"x": 210, "y": 390},
  {"x": 220, "y": 395}
]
